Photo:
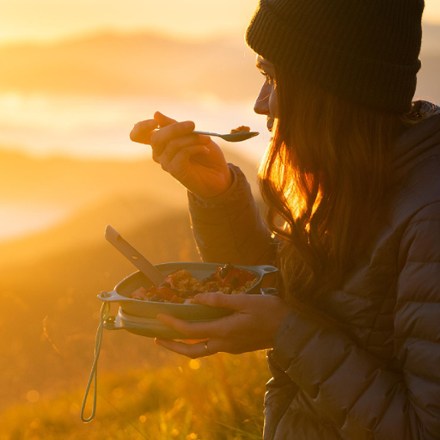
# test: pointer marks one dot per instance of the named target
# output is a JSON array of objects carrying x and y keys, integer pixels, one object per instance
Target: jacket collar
[{"x": 419, "y": 141}]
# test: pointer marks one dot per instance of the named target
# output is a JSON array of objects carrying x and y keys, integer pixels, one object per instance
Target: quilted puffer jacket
[{"x": 366, "y": 365}]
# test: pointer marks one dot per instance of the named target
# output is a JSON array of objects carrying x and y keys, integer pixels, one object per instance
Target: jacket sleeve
[
  {"x": 353, "y": 388},
  {"x": 229, "y": 229}
]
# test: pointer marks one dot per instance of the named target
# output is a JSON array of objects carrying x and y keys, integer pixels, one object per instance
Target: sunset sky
[{"x": 48, "y": 19}]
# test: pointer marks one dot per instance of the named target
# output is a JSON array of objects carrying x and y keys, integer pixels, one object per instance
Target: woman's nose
[{"x": 261, "y": 105}]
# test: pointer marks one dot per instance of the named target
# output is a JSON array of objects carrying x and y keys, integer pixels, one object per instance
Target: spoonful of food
[{"x": 236, "y": 135}]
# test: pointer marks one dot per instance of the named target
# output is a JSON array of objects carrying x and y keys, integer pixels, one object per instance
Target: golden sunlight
[
  {"x": 432, "y": 11},
  {"x": 21, "y": 20},
  {"x": 75, "y": 77}
]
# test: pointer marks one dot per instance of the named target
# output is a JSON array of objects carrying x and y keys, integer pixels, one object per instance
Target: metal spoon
[{"x": 238, "y": 136}]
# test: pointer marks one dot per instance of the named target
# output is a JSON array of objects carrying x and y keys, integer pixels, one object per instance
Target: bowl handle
[
  {"x": 268, "y": 275},
  {"x": 112, "y": 296},
  {"x": 93, "y": 377},
  {"x": 267, "y": 269}
]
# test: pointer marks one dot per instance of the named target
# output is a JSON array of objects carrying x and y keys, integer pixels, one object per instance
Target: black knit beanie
[{"x": 365, "y": 51}]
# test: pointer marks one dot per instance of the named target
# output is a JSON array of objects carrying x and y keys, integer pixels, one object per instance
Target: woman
[{"x": 353, "y": 194}]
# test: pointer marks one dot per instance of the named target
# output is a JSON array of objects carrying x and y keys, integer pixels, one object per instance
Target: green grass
[{"x": 217, "y": 398}]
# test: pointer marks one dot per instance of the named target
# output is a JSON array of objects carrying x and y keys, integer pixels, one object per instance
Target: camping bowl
[{"x": 139, "y": 316}]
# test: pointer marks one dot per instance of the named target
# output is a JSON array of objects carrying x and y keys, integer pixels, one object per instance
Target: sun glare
[
  {"x": 75, "y": 77},
  {"x": 432, "y": 11},
  {"x": 55, "y": 19}
]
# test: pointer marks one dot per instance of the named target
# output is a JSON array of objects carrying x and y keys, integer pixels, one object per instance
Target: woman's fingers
[
  {"x": 161, "y": 137},
  {"x": 176, "y": 164},
  {"x": 237, "y": 302},
  {"x": 252, "y": 325},
  {"x": 143, "y": 130},
  {"x": 195, "y": 330},
  {"x": 194, "y": 160},
  {"x": 163, "y": 120},
  {"x": 209, "y": 329},
  {"x": 197, "y": 350},
  {"x": 166, "y": 153},
  {"x": 175, "y": 145}
]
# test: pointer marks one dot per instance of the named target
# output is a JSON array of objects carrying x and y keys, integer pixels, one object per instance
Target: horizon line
[
  {"x": 117, "y": 30},
  {"x": 125, "y": 31}
]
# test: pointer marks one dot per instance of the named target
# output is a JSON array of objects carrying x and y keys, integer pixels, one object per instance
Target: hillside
[
  {"x": 49, "y": 279},
  {"x": 51, "y": 310},
  {"x": 70, "y": 185},
  {"x": 69, "y": 180}
]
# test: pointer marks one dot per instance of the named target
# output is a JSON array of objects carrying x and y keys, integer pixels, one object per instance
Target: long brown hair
[{"x": 324, "y": 179}]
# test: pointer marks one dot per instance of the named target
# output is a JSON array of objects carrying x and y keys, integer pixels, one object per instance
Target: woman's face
[{"x": 267, "y": 103}]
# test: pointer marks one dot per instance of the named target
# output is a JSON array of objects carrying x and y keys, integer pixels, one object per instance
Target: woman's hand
[
  {"x": 252, "y": 325},
  {"x": 194, "y": 160}
]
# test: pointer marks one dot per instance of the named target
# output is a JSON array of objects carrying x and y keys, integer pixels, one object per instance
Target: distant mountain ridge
[
  {"x": 131, "y": 64},
  {"x": 146, "y": 63}
]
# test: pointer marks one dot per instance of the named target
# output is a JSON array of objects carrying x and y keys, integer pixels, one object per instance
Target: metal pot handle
[
  {"x": 112, "y": 296},
  {"x": 266, "y": 268}
]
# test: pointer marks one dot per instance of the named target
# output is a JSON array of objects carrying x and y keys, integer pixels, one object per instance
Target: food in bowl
[{"x": 181, "y": 286}]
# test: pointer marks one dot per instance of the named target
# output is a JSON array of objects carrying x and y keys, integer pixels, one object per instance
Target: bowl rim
[{"x": 168, "y": 267}]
